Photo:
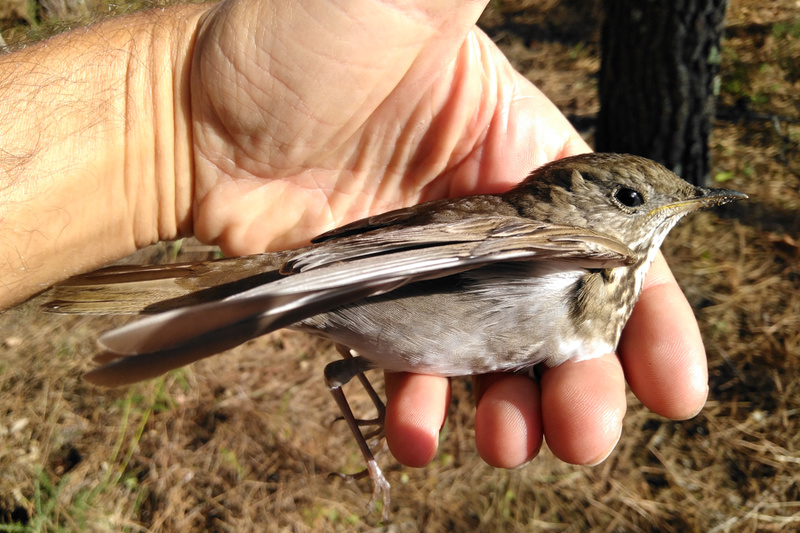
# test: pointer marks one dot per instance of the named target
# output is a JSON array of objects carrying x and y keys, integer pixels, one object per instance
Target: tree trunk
[{"x": 660, "y": 60}]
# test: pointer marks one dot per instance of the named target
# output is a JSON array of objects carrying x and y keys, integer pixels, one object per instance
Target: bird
[{"x": 544, "y": 273}]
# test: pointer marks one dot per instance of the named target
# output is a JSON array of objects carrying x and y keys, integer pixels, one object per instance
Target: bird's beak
[
  {"x": 712, "y": 197},
  {"x": 703, "y": 199}
]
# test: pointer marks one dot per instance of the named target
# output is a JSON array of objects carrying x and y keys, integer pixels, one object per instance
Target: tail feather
[{"x": 136, "y": 289}]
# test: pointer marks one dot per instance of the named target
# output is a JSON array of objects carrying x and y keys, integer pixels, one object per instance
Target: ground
[{"x": 245, "y": 441}]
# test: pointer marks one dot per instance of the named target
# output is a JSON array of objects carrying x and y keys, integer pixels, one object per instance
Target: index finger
[{"x": 661, "y": 350}]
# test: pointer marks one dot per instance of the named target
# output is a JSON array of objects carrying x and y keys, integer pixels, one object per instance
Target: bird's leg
[
  {"x": 378, "y": 421},
  {"x": 337, "y": 374}
]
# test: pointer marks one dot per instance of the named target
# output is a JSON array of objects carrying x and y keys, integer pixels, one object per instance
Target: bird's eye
[{"x": 629, "y": 197}]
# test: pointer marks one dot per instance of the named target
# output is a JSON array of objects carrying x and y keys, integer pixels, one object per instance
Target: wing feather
[{"x": 335, "y": 273}]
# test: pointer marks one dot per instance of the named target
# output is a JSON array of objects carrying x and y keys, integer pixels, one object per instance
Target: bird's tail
[{"x": 135, "y": 289}]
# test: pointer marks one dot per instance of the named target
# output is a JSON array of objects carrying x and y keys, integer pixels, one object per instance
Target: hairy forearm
[{"x": 94, "y": 147}]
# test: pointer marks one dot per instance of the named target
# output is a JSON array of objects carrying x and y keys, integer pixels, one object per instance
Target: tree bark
[{"x": 658, "y": 74}]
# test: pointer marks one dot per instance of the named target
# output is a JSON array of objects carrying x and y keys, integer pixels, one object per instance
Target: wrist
[
  {"x": 158, "y": 170},
  {"x": 95, "y": 147}
]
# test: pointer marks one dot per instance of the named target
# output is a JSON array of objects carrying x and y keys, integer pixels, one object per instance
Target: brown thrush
[{"x": 544, "y": 273}]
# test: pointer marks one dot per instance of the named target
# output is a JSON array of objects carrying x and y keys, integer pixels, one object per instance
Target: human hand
[
  {"x": 302, "y": 123},
  {"x": 577, "y": 407},
  {"x": 303, "y": 116},
  {"x": 319, "y": 114}
]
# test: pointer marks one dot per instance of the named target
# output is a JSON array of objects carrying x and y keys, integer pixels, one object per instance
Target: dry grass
[{"x": 244, "y": 442}]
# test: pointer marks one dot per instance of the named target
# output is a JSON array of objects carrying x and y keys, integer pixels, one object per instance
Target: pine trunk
[{"x": 660, "y": 60}]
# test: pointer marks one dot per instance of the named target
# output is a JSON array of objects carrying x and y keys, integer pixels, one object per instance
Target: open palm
[{"x": 307, "y": 115}]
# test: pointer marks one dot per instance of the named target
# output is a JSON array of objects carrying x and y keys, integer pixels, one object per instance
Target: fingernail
[
  {"x": 529, "y": 459},
  {"x": 611, "y": 449}
]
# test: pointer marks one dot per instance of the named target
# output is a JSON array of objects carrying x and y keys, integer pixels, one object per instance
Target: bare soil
[{"x": 245, "y": 441}]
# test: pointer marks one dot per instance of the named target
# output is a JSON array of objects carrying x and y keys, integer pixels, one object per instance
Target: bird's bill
[{"x": 704, "y": 199}]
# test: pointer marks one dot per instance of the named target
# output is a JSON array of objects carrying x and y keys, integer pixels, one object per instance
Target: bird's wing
[
  {"x": 492, "y": 237},
  {"x": 446, "y": 211},
  {"x": 330, "y": 275}
]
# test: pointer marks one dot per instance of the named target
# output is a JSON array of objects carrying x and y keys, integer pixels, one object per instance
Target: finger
[
  {"x": 416, "y": 407},
  {"x": 508, "y": 423},
  {"x": 661, "y": 348},
  {"x": 583, "y": 405}
]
